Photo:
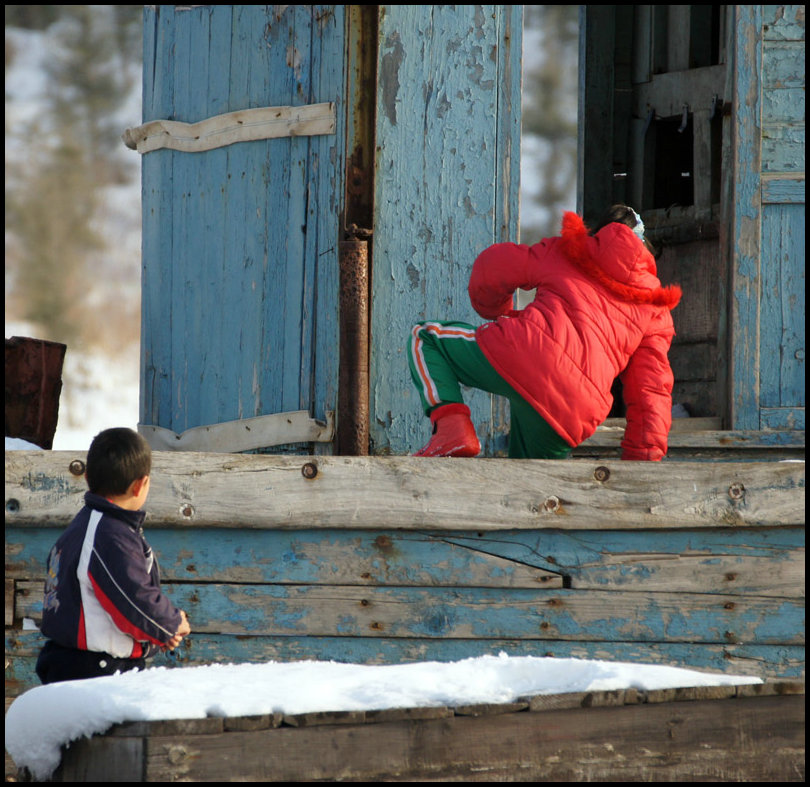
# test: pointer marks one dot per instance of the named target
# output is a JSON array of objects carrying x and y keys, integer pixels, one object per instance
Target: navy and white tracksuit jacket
[{"x": 102, "y": 590}]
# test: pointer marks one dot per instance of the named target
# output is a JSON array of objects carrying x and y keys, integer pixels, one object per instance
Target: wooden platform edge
[{"x": 674, "y": 734}]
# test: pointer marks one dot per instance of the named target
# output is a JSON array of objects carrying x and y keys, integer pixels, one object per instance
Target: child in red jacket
[{"x": 599, "y": 312}]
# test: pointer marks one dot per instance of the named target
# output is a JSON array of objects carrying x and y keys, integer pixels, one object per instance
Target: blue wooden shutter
[{"x": 240, "y": 243}]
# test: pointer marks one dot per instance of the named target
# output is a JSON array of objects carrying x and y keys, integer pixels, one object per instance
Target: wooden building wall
[
  {"x": 386, "y": 558},
  {"x": 746, "y": 733},
  {"x": 396, "y": 559}
]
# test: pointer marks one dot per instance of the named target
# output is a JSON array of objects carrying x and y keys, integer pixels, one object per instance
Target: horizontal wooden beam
[
  {"x": 755, "y": 562},
  {"x": 474, "y": 613},
  {"x": 719, "y": 439},
  {"x": 691, "y": 734},
  {"x": 250, "y": 491}
]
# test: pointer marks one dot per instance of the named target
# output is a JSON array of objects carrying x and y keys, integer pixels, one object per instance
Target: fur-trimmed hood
[{"x": 617, "y": 259}]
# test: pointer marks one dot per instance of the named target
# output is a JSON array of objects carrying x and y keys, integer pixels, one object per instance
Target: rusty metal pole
[
  {"x": 356, "y": 249},
  {"x": 353, "y": 390}
]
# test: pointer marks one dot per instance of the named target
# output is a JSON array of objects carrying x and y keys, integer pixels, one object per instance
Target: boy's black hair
[{"x": 116, "y": 458}]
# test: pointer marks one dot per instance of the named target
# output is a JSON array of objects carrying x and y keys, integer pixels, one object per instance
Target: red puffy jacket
[{"x": 599, "y": 312}]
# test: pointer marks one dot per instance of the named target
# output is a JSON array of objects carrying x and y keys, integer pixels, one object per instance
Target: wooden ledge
[{"x": 293, "y": 492}]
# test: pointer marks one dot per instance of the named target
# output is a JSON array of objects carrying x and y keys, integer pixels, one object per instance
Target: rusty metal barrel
[{"x": 33, "y": 386}]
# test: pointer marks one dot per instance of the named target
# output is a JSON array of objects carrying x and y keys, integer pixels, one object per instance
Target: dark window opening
[
  {"x": 685, "y": 37},
  {"x": 674, "y": 179},
  {"x": 704, "y": 36}
]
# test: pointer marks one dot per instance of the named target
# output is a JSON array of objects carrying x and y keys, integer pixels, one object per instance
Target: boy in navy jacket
[{"x": 103, "y": 610}]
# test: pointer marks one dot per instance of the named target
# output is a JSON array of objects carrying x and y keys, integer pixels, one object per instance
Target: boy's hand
[{"x": 183, "y": 630}]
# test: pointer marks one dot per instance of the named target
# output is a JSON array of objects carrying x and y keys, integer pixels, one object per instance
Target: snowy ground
[{"x": 47, "y": 717}]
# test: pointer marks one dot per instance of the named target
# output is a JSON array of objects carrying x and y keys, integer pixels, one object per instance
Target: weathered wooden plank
[
  {"x": 764, "y": 561},
  {"x": 595, "y": 556},
  {"x": 332, "y": 557},
  {"x": 102, "y": 759},
  {"x": 780, "y": 576},
  {"x": 340, "y": 558},
  {"x": 157, "y": 193},
  {"x": 784, "y": 106},
  {"x": 485, "y": 613},
  {"x": 353, "y": 558},
  {"x": 665, "y": 91},
  {"x": 412, "y": 492},
  {"x": 745, "y": 206},
  {"x": 783, "y": 67},
  {"x": 697, "y": 574},
  {"x": 726, "y": 440},
  {"x": 782, "y": 417},
  {"x": 9, "y": 601},
  {"x": 28, "y": 599},
  {"x": 232, "y": 127},
  {"x": 782, "y": 188},
  {"x": 782, "y": 312},
  {"x": 753, "y": 739},
  {"x": 783, "y": 154},
  {"x": 783, "y": 22},
  {"x": 317, "y": 718},
  {"x": 481, "y": 613},
  {"x": 10, "y": 767}
]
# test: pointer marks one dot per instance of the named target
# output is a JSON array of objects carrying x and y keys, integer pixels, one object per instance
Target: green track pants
[{"x": 444, "y": 355}]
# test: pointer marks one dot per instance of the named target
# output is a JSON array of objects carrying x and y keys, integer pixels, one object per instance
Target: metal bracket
[{"x": 684, "y": 119}]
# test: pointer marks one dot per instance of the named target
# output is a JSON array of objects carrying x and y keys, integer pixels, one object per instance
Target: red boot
[{"x": 453, "y": 433}]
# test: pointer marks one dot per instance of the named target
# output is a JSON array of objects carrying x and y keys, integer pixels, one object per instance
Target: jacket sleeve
[
  {"x": 127, "y": 587},
  {"x": 497, "y": 272},
  {"x": 647, "y": 386}
]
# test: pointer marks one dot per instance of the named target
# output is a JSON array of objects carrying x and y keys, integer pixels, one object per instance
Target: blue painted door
[
  {"x": 240, "y": 265},
  {"x": 447, "y": 181}
]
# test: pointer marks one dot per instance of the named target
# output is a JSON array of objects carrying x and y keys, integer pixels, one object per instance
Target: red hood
[{"x": 618, "y": 260}]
